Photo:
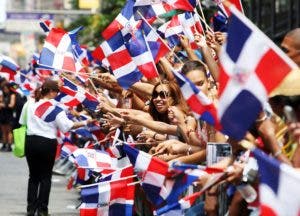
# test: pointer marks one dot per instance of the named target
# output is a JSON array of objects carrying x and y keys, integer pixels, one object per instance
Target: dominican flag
[
  {"x": 123, "y": 23},
  {"x": 155, "y": 44},
  {"x": 71, "y": 95},
  {"x": 201, "y": 106},
  {"x": 48, "y": 111},
  {"x": 141, "y": 55},
  {"x": 124, "y": 69},
  {"x": 108, "y": 198},
  {"x": 8, "y": 67},
  {"x": 153, "y": 171},
  {"x": 251, "y": 66},
  {"x": 88, "y": 160},
  {"x": 58, "y": 53},
  {"x": 279, "y": 188}
]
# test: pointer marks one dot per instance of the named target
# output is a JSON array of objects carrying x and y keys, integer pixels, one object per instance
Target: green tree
[{"x": 95, "y": 24}]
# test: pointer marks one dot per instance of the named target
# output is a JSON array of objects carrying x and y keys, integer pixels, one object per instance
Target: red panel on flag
[
  {"x": 223, "y": 79},
  {"x": 158, "y": 166},
  {"x": 69, "y": 64},
  {"x": 272, "y": 69},
  {"x": 118, "y": 189},
  {"x": 55, "y": 36},
  {"x": 119, "y": 59},
  {"x": 98, "y": 54},
  {"x": 112, "y": 29}
]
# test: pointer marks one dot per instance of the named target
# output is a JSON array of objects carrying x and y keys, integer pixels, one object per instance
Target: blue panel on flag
[
  {"x": 269, "y": 170},
  {"x": 240, "y": 114},
  {"x": 46, "y": 57},
  {"x": 131, "y": 152},
  {"x": 207, "y": 116},
  {"x": 120, "y": 209},
  {"x": 128, "y": 80},
  {"x": 82, "y": 161},
  {"x": 152, "y": 192},
  {"x": 146, "y": 11},
  {"x": 238, "y": 34},
  {"x": 137, "y": 45},
  {"x": 90, "y": 194},
  {"x": 116, "y": 41},
  {"x": 127, "y": 11}
]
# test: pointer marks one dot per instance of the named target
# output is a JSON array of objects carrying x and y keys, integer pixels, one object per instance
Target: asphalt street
[{"x": 13, "y": 190}]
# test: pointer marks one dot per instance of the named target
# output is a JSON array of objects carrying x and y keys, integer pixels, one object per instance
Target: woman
[
  {"x": 40, "y": 145},
  {"x": 7, "y": 106}
]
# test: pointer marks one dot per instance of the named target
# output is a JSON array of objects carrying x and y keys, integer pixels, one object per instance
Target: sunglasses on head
[{"x": 161, "y": 94}]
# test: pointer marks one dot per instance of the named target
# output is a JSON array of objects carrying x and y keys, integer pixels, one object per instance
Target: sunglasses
[{"x": 161, "y": 94}]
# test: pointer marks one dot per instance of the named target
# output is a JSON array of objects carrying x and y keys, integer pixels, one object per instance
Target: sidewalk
[{"x": 13, "y": 190}]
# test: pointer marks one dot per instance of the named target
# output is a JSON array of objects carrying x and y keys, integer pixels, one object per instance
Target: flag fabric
[
  {"x": 57, "y": 52},
  {"x": 187, "y": 24},
  {"x": 46, "y": 25},
  {"x": 158, "y": 188},
  {"x": 8, "y": 67},
  {"x": 141, "y": 55},
  {"x": 226, "y": 11},
  {"x": 72, "y": 95},
  {"x": 67, "y": 149},
  {"x": 149, "y": 9},
  {"x": 124, "y": 23},
  {"x": 124, "y": 69},
  {"x": 48, "y": 111},
  {"x": 108, "y": 198},
  {"x": 279, "y": 188},
  {"x": 201, "y": 106},
  {"x": 251, "y": 66},
  {"x": 120, "y": 173},
  {"x": 153, "y": 171},
  {"x": 188, "y": 201},
  {"x": 155, "y": 44}
]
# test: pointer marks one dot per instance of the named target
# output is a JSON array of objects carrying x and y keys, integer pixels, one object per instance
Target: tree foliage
[{"x": 95, "y": 24}]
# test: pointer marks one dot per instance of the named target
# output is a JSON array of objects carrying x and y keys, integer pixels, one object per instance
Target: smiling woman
[{"x": 165, "y": 95}]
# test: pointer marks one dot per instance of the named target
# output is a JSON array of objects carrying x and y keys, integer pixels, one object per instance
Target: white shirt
[{"x": 37, "y": 126}]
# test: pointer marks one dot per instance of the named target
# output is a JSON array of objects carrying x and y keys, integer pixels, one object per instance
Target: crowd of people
[{"x": 154, "y": 114}]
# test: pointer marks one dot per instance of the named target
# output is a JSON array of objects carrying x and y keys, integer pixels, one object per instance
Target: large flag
[
  {"x": 58, "y": 53},
  {"x": 201, "y": 106},
  {"x": 251, "y": 66},
  {"x": 108, "y": 198},
  {"x": 8, "y": 67},
  {"x": 279, "y": 189}
]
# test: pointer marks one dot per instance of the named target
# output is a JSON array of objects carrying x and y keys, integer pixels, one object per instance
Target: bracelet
[
  {"x": 279, "y": 152},
  {"x": 189, "y": 150}
]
